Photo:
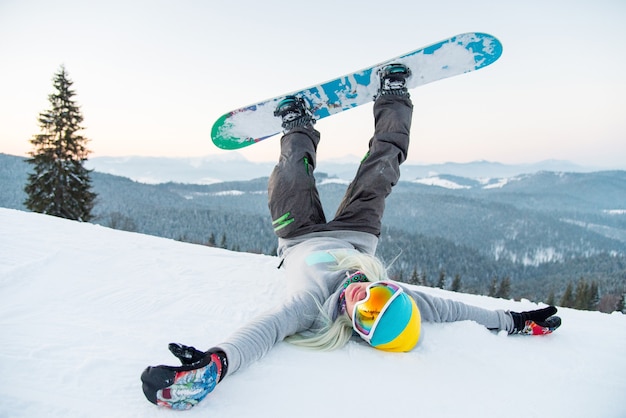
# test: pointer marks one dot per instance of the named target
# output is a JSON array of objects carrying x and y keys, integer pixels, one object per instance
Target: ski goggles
[{"x": 368, "y": 312}]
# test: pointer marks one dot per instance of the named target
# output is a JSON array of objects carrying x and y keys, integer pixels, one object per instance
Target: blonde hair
[{"x": 335, "y": 334}]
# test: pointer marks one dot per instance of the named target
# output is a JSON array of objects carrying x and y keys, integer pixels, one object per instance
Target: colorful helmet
[{"x": 388, "y": 318}]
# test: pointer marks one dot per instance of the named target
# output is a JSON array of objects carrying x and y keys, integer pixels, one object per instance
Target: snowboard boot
[
  {"x": 393, "y": 80},
  {"x": 294, "y": 113}
]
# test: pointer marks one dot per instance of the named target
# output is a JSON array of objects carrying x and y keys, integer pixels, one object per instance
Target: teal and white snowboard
[{"x": 457, "y": 55}]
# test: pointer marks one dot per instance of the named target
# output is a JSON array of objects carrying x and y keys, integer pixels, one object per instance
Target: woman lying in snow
[{"x": 339, "y": 288}]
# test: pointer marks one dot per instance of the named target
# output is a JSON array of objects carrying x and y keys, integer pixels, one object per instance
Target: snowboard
[{"x": 457, "y": 55}]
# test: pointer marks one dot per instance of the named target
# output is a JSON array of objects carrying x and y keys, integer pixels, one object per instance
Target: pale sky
[{"x": 152, "y": 76}]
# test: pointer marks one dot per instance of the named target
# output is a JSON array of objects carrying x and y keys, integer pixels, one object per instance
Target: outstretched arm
[
  {"x": 435, "y": 309},
  {"x": 536, "y": 322},
  {"x": 252, "y": 341},
  {"x": 182, "y": 387}
]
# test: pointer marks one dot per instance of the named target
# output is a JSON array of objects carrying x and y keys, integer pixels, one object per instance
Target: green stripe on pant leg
[
  {"x": 282, "y": 222},
  {"x": 306, "y": 165}
]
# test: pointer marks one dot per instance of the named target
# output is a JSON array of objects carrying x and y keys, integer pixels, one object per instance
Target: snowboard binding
[
  {"x": 393, "y": 79},
  {"x": 294, "y": 112}
]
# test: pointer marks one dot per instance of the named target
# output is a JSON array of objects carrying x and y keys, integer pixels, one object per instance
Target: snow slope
[{"x": 83, "y": 309}]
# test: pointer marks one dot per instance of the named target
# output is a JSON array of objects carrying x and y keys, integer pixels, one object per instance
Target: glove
[
  {"x": 537, "y": 322},
  {"x": 186, "y": 354},
  {"x": 185, "y": 386}
]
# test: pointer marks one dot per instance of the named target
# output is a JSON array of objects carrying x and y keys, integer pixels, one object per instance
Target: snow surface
[
  {"x": 438, "y": 181},
  {"x": 84, "y": 309}
]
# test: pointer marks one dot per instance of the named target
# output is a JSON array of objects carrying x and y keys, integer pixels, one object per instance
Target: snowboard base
[{"x": 457, "y": 55}]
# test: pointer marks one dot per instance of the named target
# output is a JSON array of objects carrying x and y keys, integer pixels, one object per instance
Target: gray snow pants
[{"x": 293, "y": 198}]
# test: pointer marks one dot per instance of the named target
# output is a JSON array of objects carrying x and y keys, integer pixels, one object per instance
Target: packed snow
[{"x": 84, "y": 309}]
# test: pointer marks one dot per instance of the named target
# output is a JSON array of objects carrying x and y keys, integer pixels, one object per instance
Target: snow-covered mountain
[
  {"x": 234, "y": 167},
  {"x": 83, "y": 309},
  {"x": 200, "y": 170},
  {"x": 544, "y": 230}
]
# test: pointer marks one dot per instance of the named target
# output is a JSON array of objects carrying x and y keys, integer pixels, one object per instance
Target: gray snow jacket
[{"x": 313, "y": 282}]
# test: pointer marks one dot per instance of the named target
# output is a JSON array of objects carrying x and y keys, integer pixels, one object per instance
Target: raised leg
[
  {"x": 364, "y": 203},
  {"x": 293, "y": 198}
]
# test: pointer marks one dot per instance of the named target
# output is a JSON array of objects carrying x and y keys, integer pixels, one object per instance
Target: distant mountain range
[
  {"x": 234, "y": 167},
  {"x": 542, "y": 228}
]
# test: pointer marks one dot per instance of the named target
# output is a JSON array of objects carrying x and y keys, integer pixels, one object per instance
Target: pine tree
[
  {"x": 581, "y": 296},
  {"x": 456, "y": 283},
  {"x": 60, "y": 184},
  {"x": 421, "y": 279},
  {"x": 211, "y": 242},
  {"x": 493, "y": 287},
  {"x": 594, "y": 296},
  {"x": 504, "y": 289},
  {"x": 441, "y": 283},
  {"x": 567, "y": 300}
]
